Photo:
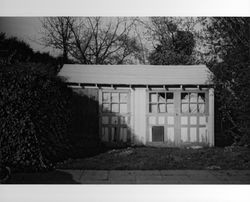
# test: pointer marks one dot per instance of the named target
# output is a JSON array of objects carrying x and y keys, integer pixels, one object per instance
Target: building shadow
[{"x": 87, "y": 129}]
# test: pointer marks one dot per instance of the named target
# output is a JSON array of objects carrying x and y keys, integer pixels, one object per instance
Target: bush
[
  {"x": 34, "y": 117},
  {"x": 229, "y": 39}
]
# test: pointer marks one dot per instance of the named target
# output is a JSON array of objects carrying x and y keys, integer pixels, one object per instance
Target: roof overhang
[{"x": 136, "y": 75}]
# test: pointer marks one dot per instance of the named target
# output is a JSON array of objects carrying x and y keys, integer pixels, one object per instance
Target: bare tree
[
  {"x": 57, "y": 34},
  {"x": 95, "y": 40}
]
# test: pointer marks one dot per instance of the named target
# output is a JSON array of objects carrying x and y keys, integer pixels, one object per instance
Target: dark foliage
[
  {"x": 41, "y": 120},
  {"x": 34, "y": 117},
  {"x": 229, "y": 38},
  {"x": 13, "y": 51},
  {"x": 174, "y": 50}
]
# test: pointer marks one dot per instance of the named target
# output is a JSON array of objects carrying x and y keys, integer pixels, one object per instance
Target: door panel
[
  {"x": 157, "y": 133},
  {"x": 193, "y": 117},
  {"x": 170, "y": 134},
  {"x": 115, "y": 115},
  {"x": 161, "y": 116}
]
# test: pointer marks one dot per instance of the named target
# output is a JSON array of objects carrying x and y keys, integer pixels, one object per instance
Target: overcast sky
[{"x": 27, "y": 29}]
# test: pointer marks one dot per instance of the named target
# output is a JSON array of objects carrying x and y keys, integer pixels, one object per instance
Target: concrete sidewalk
[{"x": 134, "y": 177}]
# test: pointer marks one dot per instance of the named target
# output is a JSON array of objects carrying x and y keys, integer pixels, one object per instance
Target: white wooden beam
[{"x": 211, "y": 117}]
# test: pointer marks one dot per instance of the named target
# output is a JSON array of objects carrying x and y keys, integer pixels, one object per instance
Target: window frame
[
  {"x": 119, "y": 102},
  {"x": 197, "y": 102},
  {"x": 158, "y": 102}
]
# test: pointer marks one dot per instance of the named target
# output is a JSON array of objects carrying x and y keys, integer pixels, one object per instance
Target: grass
[{"x": 152, "y": 158}]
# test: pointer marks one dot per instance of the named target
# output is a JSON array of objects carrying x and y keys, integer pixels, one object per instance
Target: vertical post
[
  {"x": 177, "y": 117},
  {"x": 100, "y": 112},
  {"x": 140, "y": 116},
  {"x": 132, "y": 115},
  {"x": 211, "y": 117}
]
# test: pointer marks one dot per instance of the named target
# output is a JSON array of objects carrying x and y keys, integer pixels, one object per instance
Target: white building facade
[{"x": 149, "y": 105}]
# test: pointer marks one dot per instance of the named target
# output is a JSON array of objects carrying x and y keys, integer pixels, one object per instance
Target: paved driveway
[{"x": 134, "y": 177}]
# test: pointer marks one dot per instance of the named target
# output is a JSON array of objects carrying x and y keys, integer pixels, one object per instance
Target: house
[{"x": 151, "y": 105}]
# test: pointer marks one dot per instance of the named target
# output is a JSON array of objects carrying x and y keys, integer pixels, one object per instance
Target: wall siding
[
  {"x": 141, "y": 122},
  {"x": 140, "y": 116}
]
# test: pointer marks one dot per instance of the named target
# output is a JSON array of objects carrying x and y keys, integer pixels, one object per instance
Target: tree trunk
[{"x": 65, "y": 56}]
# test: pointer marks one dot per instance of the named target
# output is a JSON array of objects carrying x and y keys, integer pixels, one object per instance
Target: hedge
[{"x": 34, "y": 117}]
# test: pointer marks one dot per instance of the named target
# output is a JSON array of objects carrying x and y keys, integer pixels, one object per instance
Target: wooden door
[
  {"x": 161, "y": 117},
  {"x": 193, "y": 117},
  {"x": 115, "y": 115},
  {"x": 181, "y": 116}
]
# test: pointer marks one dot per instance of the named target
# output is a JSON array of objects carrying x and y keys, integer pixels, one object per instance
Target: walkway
[{"x": 134, "y": 177}]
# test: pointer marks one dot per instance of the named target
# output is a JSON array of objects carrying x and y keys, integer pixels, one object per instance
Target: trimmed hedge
[{"x": 34, "y": 117}]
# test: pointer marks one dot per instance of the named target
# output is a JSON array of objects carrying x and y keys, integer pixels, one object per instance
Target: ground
[
  {"x": 152, "y": 158},
  {"x": 149, "y": 165},
  {"x": 59, "y": 176}
]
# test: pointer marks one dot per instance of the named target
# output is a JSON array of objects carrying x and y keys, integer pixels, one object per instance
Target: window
[
  {"x": 161, "y": 102},
  {"x": 193, "y": 102},
  {"x": 115, "y": 102}
]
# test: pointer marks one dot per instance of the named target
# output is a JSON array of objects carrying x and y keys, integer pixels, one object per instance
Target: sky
[{"x": 27, "y": 29}]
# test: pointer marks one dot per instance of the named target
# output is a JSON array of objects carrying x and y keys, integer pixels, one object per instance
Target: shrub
[{"x": 34, "y": 117}]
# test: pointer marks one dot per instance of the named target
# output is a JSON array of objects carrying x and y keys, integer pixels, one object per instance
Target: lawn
[{"x": 152, "y": 158}]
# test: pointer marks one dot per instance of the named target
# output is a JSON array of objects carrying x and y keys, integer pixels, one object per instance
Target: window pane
[
  {"x": 105, "y": 134},
  {"x": 193, "y": 120},
  {"x": 170, "y": 97},
  {"x": 123, "y": 97},
  {"x": 162, "y": 108},
  {"x": 106, "y": 97},
  {"x": 193, "y": 108},
  {"x": 152, "y": 120},
  {"x": 193, "y": 134},
  {"x": 153, "y": 108},
  {"x": 162, "y": 97},
  {"x": 170, "y": 108},
  {"x": 193, "y": 97},
  {"x": 115, "y": 107},
  {"x": 161, "y": 120},
  {"x": 114, "y": 120},
  {"x": 114, "y": 97},
  {"x": 201, "y": 108},
  {"x": 123, "y": 108},
  {"x": 124, "y": 120},
  {"x": 184, "y": 108},
  {"x": 184, "y": 97},
  {"x": 201, "y": 97},
  {"x": 105, "y": 120},
  {"x": 106, "y": 107},
  {"x": 153, "y": 97},
  {"x": 184, "y": 134}
]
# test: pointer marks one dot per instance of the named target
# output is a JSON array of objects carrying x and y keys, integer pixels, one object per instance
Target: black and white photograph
[{"x": 124, "y": 100}]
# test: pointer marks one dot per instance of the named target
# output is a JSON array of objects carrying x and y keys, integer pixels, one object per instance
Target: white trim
[{"x": 211, "y": 117}]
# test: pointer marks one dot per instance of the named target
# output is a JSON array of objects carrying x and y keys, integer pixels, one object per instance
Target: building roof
[{"x": 136, "y": 74}]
